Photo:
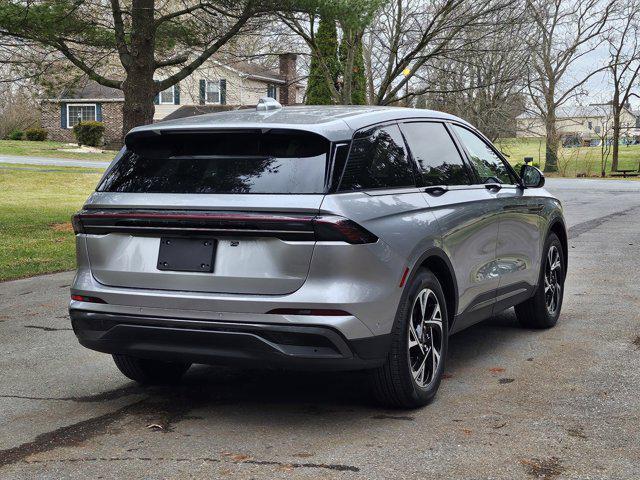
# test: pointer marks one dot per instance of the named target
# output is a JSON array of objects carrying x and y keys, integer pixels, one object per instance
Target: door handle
[
  {"x": 536, "y": 208},
  {"x": 494, "y": 187},
  {"x": 516, "y": 206},
  {"x": 436, "y": 190}
]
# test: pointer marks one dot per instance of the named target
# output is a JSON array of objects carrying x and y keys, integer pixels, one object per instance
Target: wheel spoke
[
  {"x": 423, "y": 303},
  {"x": 413, "y": 337}
]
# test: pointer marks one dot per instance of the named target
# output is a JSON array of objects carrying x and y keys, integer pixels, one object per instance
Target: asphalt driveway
[{"x": 562, "y": 403}]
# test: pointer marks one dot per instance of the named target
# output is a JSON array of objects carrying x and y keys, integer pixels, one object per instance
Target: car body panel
[{"x": 491, "y": 239}]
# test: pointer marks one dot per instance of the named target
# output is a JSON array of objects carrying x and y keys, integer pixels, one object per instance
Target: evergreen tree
[
  {"x": 318, "y": 92},
  {"x": 358, "y": 78}
]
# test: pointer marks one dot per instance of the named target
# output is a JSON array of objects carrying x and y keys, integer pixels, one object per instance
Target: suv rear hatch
[{"x": 214, "y": 211}]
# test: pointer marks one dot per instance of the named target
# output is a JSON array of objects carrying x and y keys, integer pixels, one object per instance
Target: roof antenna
[{"x": 266, "y": 104}]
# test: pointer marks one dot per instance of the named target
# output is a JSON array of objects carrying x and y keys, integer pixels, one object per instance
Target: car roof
[{"x": 334, "y": 122}]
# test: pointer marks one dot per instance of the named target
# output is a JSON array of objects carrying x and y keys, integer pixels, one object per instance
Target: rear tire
[
  {"x": 543, "y": 309},
  {"x": 150, "y": 372},
  {"x": 400, "y": 382}
]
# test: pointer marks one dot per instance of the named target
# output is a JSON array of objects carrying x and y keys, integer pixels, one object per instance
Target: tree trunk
[
  {"x": 616, "y": 110},
  {"x": 138, "y": 108},
  {"x": 139, "y": 87},
  {"x": 553, "y": 142}
]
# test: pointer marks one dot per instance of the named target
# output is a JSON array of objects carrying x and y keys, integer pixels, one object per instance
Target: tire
[
  {"x": 150, "y": 372},
  {"x": 394, "y": 383},
  {"x": 536, "y": 312}
]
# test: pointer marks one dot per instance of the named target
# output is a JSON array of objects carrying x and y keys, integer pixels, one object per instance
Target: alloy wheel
[
  {"x": 425, "y": 337},
  {"x": 552, "y": 280}
]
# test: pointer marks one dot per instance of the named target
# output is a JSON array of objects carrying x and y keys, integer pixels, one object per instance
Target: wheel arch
[{"x": 437, "y": 261}]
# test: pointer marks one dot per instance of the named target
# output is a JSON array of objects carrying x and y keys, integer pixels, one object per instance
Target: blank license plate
[{"x": 186, "y": 254}]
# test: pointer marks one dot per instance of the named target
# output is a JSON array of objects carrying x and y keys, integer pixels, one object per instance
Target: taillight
[
  {"x": 334, "y": 228},
  {"x": 76, "y": 221},
  {"x": 280, "y": 225},
  {"x": 317, "y": 312},
  {"x": 83, "y": 298}
]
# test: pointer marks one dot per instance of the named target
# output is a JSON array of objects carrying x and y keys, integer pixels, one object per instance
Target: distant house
[
  {"x": 212, "y": 87},
  {"x": 581, "y": 124}
]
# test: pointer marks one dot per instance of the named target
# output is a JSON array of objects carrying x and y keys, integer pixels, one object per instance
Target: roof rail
[{"x": 266, "y": 104}]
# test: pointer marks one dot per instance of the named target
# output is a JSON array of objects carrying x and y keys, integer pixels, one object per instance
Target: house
[
  {"x": 584, "y": 125},
  {"x": 212, "y": 87}
]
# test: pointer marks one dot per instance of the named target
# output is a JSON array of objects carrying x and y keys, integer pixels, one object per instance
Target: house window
[
  {"x": 213, "y": 91},
  {"x": 272, "y": 91},
  {"x": 80, "y": 113},
  {"x": 167, "y": 96}
]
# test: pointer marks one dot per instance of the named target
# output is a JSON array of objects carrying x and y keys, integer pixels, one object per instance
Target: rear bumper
[{"x": 227, "y": 343}]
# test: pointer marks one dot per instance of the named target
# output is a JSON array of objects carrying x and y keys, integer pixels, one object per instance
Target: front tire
[
  {"x": 413, "y": 370},
  {"x": 543, "y": 309},
  {"x": 150, "y": 372}
]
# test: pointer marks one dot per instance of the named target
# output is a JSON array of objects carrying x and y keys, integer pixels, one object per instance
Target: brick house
[{"x": 212, "y": 87}]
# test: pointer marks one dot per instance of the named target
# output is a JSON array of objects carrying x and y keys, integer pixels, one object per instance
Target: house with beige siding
[
  {"x": 214, "y": 86},
  {"x": 581, "y": 124}
]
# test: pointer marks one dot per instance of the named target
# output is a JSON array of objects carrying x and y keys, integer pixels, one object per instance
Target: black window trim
[
  {"x": 487, "y": 142},
  {"x": 418, "y": 175},
  {"x": 380, "y": 190}
]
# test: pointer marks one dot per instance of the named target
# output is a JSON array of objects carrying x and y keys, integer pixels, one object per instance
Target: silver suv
[{"x": 333, "y": 237}]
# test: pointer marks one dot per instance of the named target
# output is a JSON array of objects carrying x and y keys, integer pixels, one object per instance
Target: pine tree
[
  {"x": 358, "y": 78},
  {"x": 318, "y": 92}
]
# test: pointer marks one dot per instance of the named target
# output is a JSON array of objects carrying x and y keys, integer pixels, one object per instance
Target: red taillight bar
[
  {"x": 83, "y": 298},
  {"x": 322, "y": 228}
]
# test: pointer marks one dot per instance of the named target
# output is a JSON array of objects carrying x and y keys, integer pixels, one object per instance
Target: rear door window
[
  {"x": 438, "y": 159},
  {"x": 378, "y": 159},
  {"x": 222, "y": 162},
  {"x": 488, "y": 164}
]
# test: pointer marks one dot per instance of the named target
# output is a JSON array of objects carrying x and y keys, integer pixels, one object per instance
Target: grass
[
  {"x": 571, "y": 161},
  {"x": 48, "y": 149},
  {"x": 36, "y": 204}
]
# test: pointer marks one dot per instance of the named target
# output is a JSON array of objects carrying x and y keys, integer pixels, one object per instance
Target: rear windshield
[{"x": 222, "y": 162}]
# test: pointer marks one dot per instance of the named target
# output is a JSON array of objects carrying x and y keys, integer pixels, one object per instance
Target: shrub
[
  {"x": 36, "y": 134},
  {"x": 89, "y": 133},
  {"x": 16, "y": 135}
]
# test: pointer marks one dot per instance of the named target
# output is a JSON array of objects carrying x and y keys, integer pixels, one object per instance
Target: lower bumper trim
[{"x": 215, "y": 343}]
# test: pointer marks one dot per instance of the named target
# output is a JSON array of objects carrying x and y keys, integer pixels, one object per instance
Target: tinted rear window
[
  {"x": 222, "y": 162},
  {"x": 377, "y": 159}
]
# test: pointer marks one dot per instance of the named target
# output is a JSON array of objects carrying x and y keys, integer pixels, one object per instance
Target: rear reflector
[
  {"x": 83, "y": 298},
  {"x": 316, "y": 312},
  {"x": 284, "y": 226},
  {"x": 404, "y": 277}
]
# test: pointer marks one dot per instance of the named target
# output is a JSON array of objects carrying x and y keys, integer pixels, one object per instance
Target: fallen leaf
[
  {"x": 239, "y": 457},
  {"x": 496, "y": 370}
]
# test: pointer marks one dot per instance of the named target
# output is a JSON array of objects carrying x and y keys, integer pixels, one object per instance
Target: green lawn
[
  {"x": 48, "y": 149},
  {"x": 571, "y": 160},
  {"x": 36, "y": 205}
]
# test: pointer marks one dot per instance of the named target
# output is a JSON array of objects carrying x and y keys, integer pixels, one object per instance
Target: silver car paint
[{"x": 489, "y": 246}]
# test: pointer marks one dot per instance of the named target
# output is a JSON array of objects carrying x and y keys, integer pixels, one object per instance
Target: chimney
[{"x": 288, "y": 72}]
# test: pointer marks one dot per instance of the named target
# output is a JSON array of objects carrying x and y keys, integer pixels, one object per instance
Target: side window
[
  {"x": 489, "y": 166},
  {"x": 433, "y": 149},
  {"x": 377, "y": 159}
]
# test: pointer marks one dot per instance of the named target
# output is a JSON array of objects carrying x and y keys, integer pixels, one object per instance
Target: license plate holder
[{"x": 186, "y": 254}]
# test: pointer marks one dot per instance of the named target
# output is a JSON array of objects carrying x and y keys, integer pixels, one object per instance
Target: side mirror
[{"x": 531, "y": 177}]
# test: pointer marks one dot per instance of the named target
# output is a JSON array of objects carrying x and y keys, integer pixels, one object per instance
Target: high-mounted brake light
[{"x": 83, "y": 298}]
